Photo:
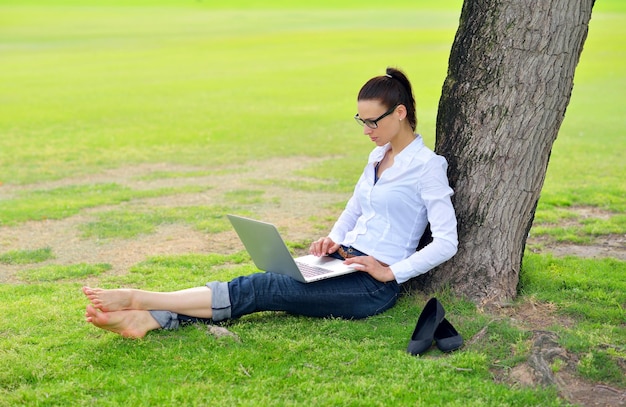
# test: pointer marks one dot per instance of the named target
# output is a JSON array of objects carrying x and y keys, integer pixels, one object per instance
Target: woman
[{"x": 402, "y": 189}]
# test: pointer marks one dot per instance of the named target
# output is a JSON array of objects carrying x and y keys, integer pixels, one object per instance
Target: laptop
[{"x": 269, "y": 253}]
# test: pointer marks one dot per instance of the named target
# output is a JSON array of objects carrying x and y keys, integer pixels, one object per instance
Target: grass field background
[
  {"x": 87, "y": 86},
  {"x": 96, "y": 87}
]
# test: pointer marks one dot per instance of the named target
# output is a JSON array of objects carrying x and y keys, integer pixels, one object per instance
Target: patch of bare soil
[
  {"x": 301, "y": 216},
  {"x": 290, "y": 210},
  {"x": 549, "y": 364},
  {"x": 611, "y": 245}
]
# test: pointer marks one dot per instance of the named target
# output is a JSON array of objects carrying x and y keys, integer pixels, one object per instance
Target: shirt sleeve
[{"x": 435, "y": 191}]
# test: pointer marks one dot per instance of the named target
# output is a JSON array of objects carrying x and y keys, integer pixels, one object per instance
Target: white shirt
[{"x": 386, "y": 220}]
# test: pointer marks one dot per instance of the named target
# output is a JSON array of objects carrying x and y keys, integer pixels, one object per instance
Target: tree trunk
[{"x": 510, "y": 78}]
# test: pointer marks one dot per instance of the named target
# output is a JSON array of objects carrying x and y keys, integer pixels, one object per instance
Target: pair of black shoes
[{"x": 432, "y": 326}]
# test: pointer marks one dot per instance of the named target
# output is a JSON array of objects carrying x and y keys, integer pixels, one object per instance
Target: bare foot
[
  {"x": 110, "y": 300},
  {"x": 130, "y": 323}
]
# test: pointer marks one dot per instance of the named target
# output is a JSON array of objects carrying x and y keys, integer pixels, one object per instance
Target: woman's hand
[
  {"x": 323, "y": 247},
  {"x": 372, "y": 267}
]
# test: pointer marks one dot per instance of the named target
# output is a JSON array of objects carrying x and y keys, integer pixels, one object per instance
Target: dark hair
[{"x": 391, "y": 89}]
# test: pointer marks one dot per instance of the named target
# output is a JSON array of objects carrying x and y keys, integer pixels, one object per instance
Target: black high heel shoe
[
  {"x": 447, "y": 338},
  {"x": 427, "y": 323}
]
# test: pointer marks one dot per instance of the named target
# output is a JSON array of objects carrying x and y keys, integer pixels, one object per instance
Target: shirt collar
[{"x": 405, "y": 155}]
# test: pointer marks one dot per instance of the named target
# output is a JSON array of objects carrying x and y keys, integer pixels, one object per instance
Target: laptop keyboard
[{"x": 311, "y": 271}]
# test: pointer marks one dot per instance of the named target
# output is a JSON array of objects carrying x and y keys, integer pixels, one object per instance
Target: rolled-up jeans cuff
[
  {"x": 167, "y": 319},
  {"x": 220, "y": 301}
]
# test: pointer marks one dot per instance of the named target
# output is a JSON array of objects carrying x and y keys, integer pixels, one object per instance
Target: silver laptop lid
[{"x": 265, "y": 246}]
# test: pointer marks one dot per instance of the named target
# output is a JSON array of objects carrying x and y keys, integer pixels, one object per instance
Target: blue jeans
[{"x": 352, "y": 296}]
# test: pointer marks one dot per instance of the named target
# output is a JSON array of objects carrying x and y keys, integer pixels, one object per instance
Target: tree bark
[{"x": 509, "y": 82}]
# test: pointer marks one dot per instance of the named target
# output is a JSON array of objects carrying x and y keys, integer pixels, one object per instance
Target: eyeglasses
[{"x": 373, "y": 123}]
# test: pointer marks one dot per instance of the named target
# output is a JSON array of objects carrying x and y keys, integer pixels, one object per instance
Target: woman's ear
[{"x": 401, "y": 112}]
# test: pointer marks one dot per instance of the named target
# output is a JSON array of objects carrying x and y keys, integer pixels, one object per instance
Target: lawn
[{"x": 129, "y": 129}]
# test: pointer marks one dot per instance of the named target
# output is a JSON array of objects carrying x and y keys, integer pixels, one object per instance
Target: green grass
[
  {"x": 26, "y": 256},
  {"x": 592, "y": 292},
  {"x": 563, "y": 224},
  {"x": 131, "y": 223},
  {"x": 62, "y": 202},
  {"x": 56, "y": 273},
  {"x": 581, "y": 287},
  {"x": 199, "y": 79},
  {"x": 89, "y": 86},
  {"x": 280, "y": 360}
]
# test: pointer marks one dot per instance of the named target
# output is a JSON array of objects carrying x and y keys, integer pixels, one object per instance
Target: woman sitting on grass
[{"x": 403, "y": 188}]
